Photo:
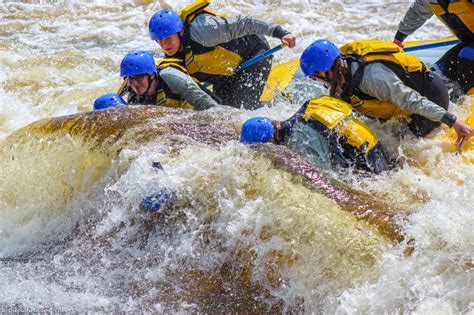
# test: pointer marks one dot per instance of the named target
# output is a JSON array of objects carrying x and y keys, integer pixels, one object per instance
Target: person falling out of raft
[
  {"x": 213, "y": 46},
  {"x": 165, "y": 83},
  {"x": 324, "y": 132},
  {"x": 458, "y": 63},
  {"x": 380, "y": 81}
]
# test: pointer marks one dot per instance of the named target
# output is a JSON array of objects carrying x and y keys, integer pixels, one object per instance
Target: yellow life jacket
[
  {"x": 164, "y": 96},
  {"x": 377, "y": 50},
  {"x": 221, "y": 60},
  {"x": 336, "y": 115},
  {"x": 389, "y": 54},
  {"x": 192, "y": 10},
  {"x": 458, "y": 16}
]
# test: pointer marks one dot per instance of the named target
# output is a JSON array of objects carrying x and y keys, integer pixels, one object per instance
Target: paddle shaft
[
  {"x": 459, "y": 146},
  {"x": 253, "y": 60},
  {"x": 260, "y": 57},
  {"x": 432, "y": 45},
  {"x": 270, "y": 52}
]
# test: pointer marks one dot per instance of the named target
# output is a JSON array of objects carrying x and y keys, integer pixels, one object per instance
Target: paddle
[
  {"x": 459, "y": 145},
  {"x": 432, "y": 45},
  {"x": 260, "y": 57},
  {"x": 254, "y": 60},
  {"x": 282, "y": 75}
]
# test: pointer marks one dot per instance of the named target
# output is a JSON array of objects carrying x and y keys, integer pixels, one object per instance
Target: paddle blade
[{"x": 279, "y": 78}]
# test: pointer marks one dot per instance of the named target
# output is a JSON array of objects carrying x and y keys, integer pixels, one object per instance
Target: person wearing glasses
[
  {"x": 381, "y": 81},
  {"x": 164, "y": 83}
]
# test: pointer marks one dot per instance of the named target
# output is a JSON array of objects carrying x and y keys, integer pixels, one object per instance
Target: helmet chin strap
[
  {"x": 150, "y": 80},
  {"x": 182, "y": 44},
  {"x": 145, "y": 98},
  {"x": 181, "y": 41}
]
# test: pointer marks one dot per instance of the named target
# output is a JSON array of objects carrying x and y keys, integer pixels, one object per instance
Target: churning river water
[{"x": 245, "y": 236}]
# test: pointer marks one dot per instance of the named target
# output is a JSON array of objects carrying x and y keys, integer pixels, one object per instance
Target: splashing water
[{"x": 244, "y": 235}]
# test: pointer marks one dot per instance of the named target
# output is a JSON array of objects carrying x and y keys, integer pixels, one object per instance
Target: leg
[
  {"x": 448, "y": 64},
  {"x": 458, "y": 65},
  {"x": 250, "y": 84},
  {"x": 466, "y": 68},
  {"x": 244, "y": 88},
  {"x": 223, "y": 89},
  {"x": 435, "y": 90},
  {"x": 376, "y": 161}
]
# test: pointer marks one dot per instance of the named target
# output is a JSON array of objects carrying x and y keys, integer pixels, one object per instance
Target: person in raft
[
  {"x": 165, "y": 83},
  {"x": 379, "y": 80},
  {"x": 457, "y": 64},
  {"x": 324, "y": 132},
  {"x": 213, "y": 46}
]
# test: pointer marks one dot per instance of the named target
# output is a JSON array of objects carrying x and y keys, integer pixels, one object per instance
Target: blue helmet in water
[
  {"x": 257, "y": 130},
  {"x": 164, "y": 23},
  {"x": 164, "y": 198},
  {"x": 137, "y": 62},
  {"x": 108, "y": 100},
  {"x": 319, "y": 56}
]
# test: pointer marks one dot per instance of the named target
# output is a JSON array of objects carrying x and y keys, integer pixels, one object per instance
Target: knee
[
  {"x": 467, "y": 54},
  {"x": 378, "y": 163},
  {"x": 466, "y": 69}
]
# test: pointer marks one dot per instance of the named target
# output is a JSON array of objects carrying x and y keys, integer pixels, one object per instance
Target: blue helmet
[
  {"x": 137, "y": 62},
  {"x": 257, "y": 130},
  {"x": 164, "y": 198},
  {"x": 108, "y": 100},
  {"x": 164, "y": 23},
  {"x": 319, "y": 56}
]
